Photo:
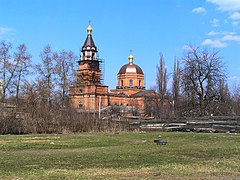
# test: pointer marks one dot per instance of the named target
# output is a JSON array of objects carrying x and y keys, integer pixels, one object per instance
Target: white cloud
[
  {"x": 226, "y": 5},
  {"x": 235, "y": 23},
  {"x": 235, "y": 16},
  {"x": 234, "y": 78},
  {"x": 214, "y": 43},
  {"x": 231, "y": 38},
  {"x": 221, "y": 39},
  {"x": 232, "y": 7},
  {"x": 186, "y": 47},
  {"x": 5, "y": 30},
  {"x": 215, "y": 22},
  {"x": 199, "y": 10},
  {"x": 215, "y": 33}
]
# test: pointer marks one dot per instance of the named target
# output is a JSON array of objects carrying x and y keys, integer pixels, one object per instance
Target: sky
[{"x": 147, "y": 27}]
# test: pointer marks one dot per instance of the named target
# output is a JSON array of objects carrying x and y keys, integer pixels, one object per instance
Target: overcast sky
[{"x": 147, "y": 27}]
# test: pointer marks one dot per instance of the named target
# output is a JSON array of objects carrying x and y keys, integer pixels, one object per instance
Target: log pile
[{"x": 206, "y": 124}]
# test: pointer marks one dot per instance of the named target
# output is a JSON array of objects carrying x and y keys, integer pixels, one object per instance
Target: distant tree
[
  {"x": 23, "y": 64},
  {"x": 65, "y": 72},
  {"x": 7, "y": 67},
  {"x": 155, "y": 99},
  {"x": 176, "y": 86},
  {"x": 224, "y": 100},
  {"x": 203, "y": 70},
  {"x": 161, "y": 82},
  {"x": 0, "y": 89},
  {"x": 46, "y": 73},
  {"x": 161, "y": 77},
  {"x": 236, "y": 100},
  {"x": 153, "y": 103}
]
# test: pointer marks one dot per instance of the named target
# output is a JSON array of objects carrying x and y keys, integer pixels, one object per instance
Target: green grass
[{"x": 120, "y": 156}]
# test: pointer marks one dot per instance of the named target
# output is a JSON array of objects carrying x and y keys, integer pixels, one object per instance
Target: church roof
[
  {"x": 130, "y": 67},
  {"x": 89, "y": 40}
]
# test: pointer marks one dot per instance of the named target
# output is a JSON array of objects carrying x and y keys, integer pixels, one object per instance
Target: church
[{"x": 89, "y": 92}]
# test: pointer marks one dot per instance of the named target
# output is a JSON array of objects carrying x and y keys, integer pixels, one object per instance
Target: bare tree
[
  {"x": 7, "y": 67},
  {"x": 176, "y": 86},
  {"x": 46, "y": 71},
  {"x": 161, "y": 82},
  {"x": 45, "y": 89},
  {"x": 65, "y": 72},
  {"x": 202, "y": 72},
  {"x": 23, "y": 64},
  {"x": 156, "y": 98},
  {"x": 0, "y": 89},
  {"x": 161, "y": 77},
  {"x": 153, "y": 103},
  {"x": 236, "y": 100},
  {"x": 223, "y": 101}
]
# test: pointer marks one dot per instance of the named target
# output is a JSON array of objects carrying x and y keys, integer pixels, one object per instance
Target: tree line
[
  {"x": 197, "y": 87},
  {"x": 34, "y": 97},
  {"x": 39, "y": 92}
]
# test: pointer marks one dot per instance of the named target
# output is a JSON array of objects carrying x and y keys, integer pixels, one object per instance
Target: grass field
[{"x": 130, "y": 155}]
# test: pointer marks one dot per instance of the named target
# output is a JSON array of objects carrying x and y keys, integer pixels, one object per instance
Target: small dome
[
  {"x": 89, "y": 43},
  {"x": 130, "y": 68},
  {"x": 130, "y": 58},
  {"x": 89, "y": 29}
]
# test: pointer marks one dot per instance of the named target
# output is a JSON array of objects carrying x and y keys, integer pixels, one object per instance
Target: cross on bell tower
[
  {"x": 89, "y": 93},
  {"x": 89, "y": 65}
]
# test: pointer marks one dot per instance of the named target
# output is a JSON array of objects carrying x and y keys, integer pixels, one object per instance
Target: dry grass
[{"x": 120, "y": 156}]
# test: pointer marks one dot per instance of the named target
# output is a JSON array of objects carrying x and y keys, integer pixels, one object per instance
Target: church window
[
  {"x": 121, "y": 84},
  {"x": 82, "y": 75},
  {"x": 80, "y": 104},
  {"x": 139, "y": 83},
  {"x": 94, "y": 77},
  {"x": 130, "y": 82}
]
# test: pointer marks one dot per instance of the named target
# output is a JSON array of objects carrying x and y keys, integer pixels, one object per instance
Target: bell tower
[
  {"x": 89, "y": 65},
  {"x": 89, "y": 93}
]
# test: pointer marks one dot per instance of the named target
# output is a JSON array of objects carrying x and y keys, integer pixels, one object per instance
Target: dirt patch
[
  {"x": 3, "y": 142},
  {"x": 40, "y": 139}
]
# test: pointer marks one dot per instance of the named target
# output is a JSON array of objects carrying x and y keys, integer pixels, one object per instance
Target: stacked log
[{"x": 206, "y": 124}]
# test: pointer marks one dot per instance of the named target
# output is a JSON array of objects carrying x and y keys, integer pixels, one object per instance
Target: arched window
[
  {"x": 80, "y": 104},
  {"x": 83, "y": 54},
  {"x": 82, "y": 76},
  {"x": 139, "y": 83},
  {"x": 94, "y": 77},
  {"x": 130, "y": 82},
  {"x": 121, "y": 83}
]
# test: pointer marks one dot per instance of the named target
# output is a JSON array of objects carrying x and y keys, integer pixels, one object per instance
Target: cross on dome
[{"x": 130, "y": 58}]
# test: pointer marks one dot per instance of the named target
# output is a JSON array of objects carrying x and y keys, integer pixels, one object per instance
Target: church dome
[{"x": 130, "y": 67}]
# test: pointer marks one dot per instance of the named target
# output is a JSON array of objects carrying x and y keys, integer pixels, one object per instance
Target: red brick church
[{"x": 89, "y": 93}]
